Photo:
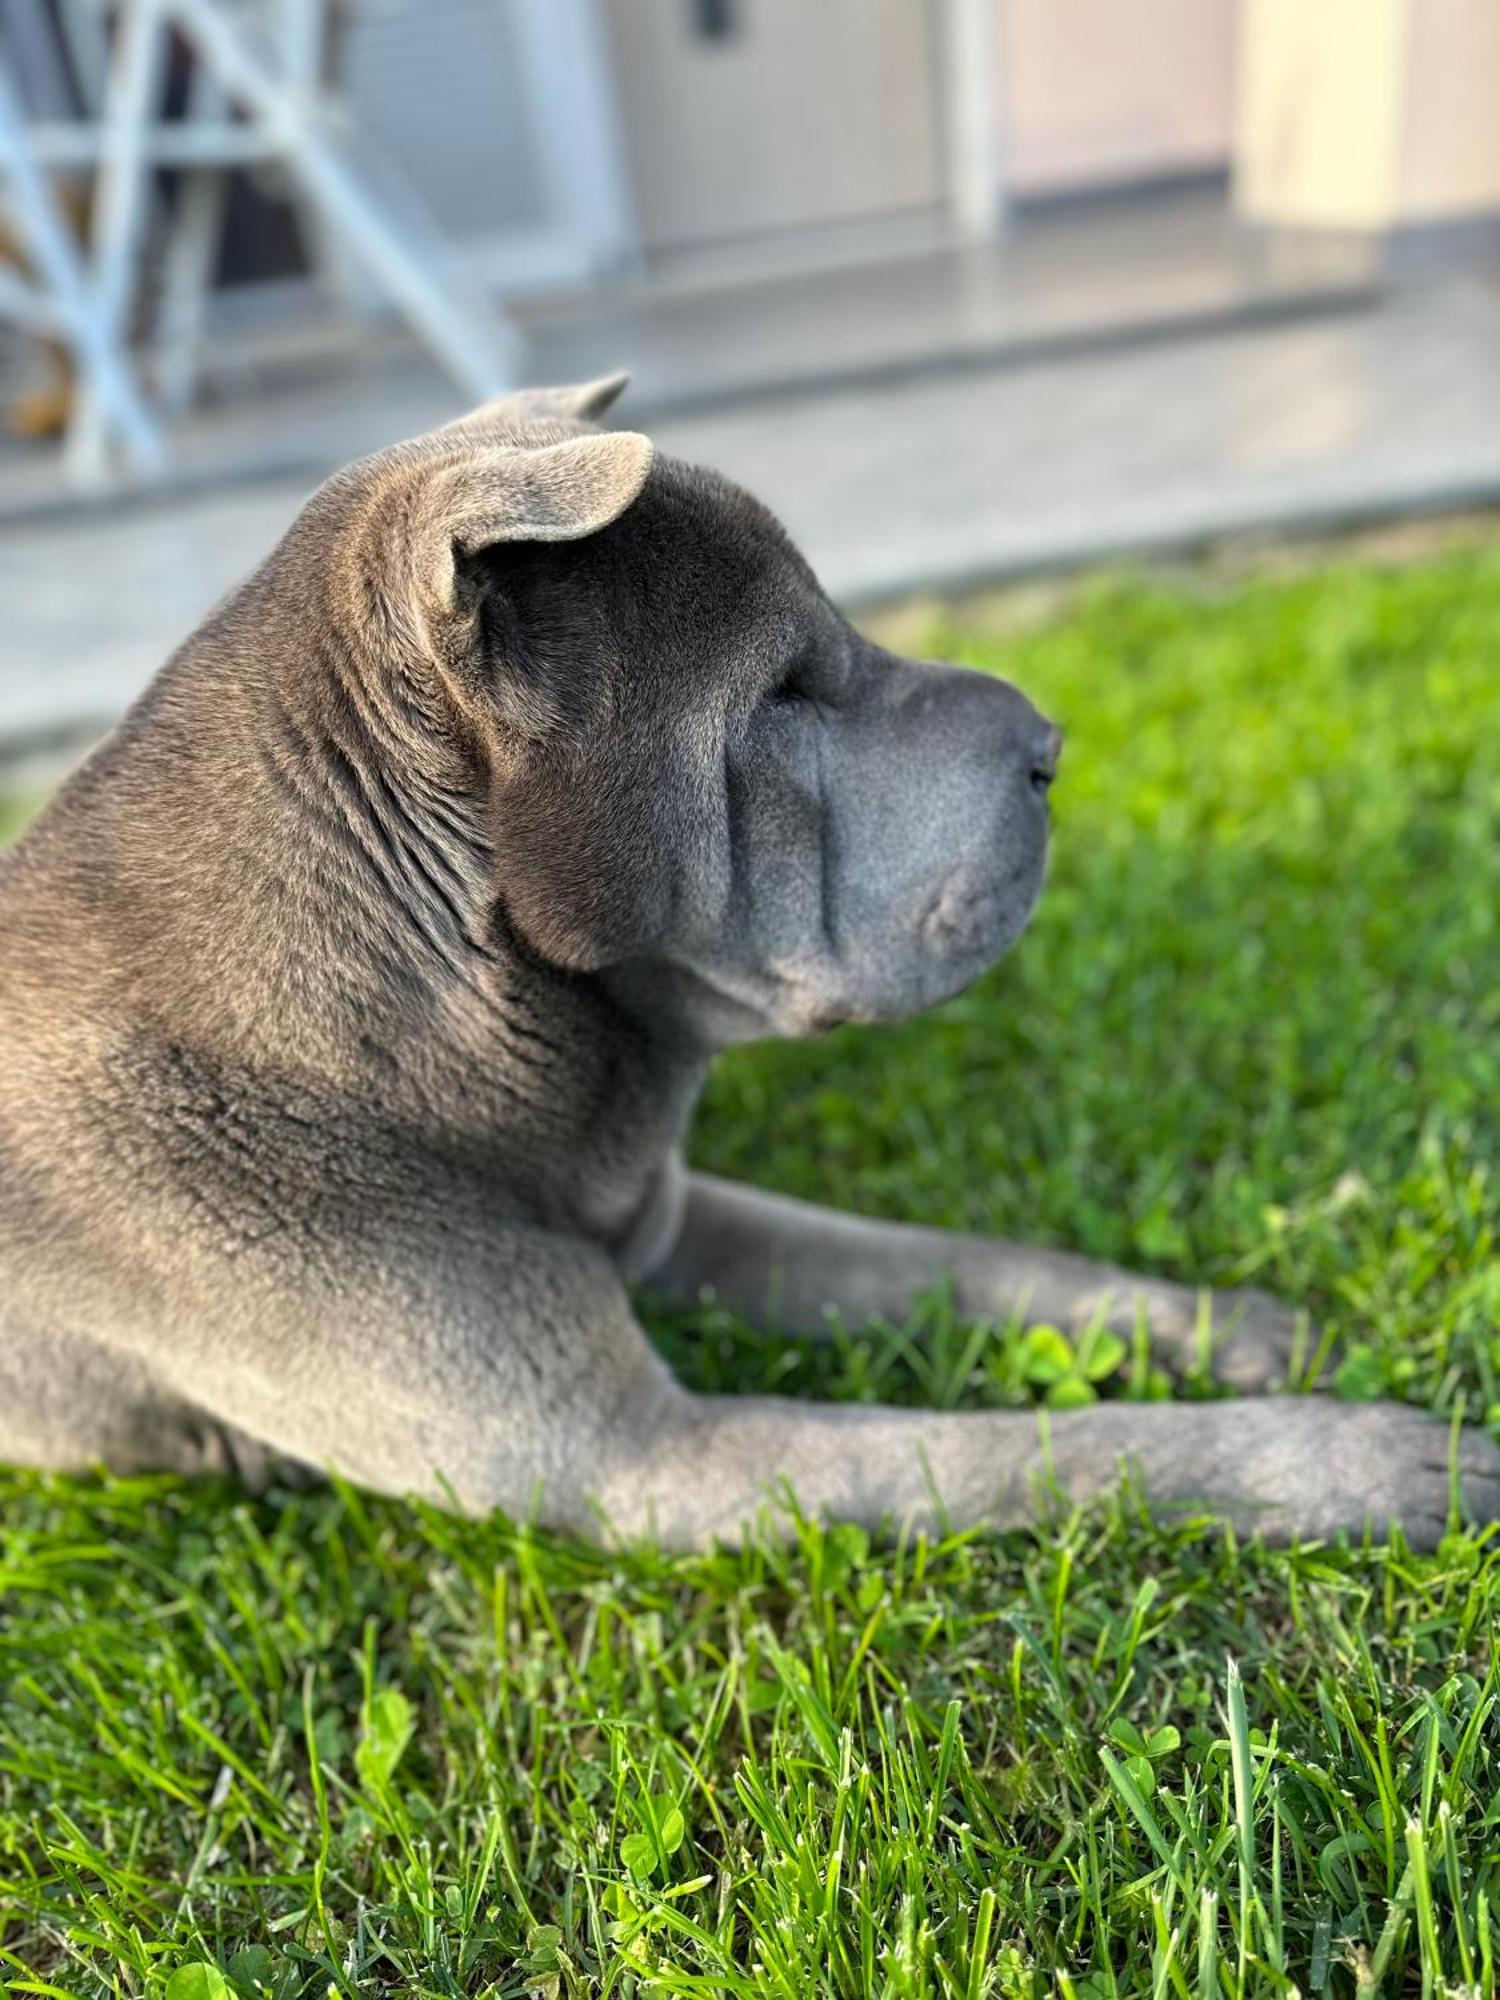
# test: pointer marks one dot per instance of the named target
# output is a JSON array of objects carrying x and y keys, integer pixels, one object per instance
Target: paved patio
[{"x": 903, "y": 479}]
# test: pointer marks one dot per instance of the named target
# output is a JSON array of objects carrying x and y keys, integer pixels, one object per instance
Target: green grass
[
  {"x": 14, "y": 813},
  {"x": 325, "y": 1744}
]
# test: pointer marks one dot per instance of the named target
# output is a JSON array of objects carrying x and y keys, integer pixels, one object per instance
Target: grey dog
[{"x": 356, "y": 993}]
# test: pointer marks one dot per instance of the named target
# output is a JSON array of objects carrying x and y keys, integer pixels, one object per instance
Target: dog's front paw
[
  {"x": 1291, "y": 1468},
  {"x": 1316, "y": 1467}
]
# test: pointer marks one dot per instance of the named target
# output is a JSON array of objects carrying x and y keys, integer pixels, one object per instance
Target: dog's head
[{"x": 705, "y": 786}]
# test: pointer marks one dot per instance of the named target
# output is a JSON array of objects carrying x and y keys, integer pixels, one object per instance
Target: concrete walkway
[{"x": 937, "y": 480}]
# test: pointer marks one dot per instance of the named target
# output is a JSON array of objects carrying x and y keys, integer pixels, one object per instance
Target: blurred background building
[{"x": 961, "y": 285}]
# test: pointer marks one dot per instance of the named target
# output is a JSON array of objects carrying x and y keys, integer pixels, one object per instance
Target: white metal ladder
[{"x": 264, "y": 57}]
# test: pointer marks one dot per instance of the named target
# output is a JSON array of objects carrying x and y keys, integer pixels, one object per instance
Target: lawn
[{"x": 320, "y": 1744}]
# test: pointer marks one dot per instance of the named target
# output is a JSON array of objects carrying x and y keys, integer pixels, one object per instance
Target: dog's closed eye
[
  {"x": 794, "y": 689},
  {"x": 789, "y": 693}
]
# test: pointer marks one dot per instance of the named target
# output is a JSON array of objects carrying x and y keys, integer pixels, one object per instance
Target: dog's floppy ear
[
  {"x": 517, "y": 493},
  {"x": 584, "y": 402}
]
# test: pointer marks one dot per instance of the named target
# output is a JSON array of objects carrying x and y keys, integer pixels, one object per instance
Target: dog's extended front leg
[
  {"x": 1290, "y": 1467},
  {"x": 511, "y": 1373},
  {"x": 791, "y": 1264}
]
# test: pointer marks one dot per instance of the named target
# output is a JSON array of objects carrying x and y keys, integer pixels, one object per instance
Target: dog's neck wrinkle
[
  {"x": 387, "y": 758},
  {"x": 492, "y": 1042},
  {"x": 307, "y": 855},
  {"x": 431, "y": 861},
  {"x": 406, "y": 805}
]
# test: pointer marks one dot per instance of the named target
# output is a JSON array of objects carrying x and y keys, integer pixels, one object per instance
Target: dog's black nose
[{"x": 1045, "y": 749}]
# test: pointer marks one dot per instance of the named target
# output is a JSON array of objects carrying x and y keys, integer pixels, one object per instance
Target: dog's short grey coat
[{"x": 355, "y": 995}]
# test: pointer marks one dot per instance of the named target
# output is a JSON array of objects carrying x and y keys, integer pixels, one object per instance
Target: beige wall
[
  {"x": 1368, "y": 113},
  {"x": 1110, "y": 90},
  {"x": 1450, "y": 148},
  {"x": 1342, "y": 113}
]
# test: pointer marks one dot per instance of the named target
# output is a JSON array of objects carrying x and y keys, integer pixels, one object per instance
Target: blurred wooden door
[{"x": 745, "y": 117}]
